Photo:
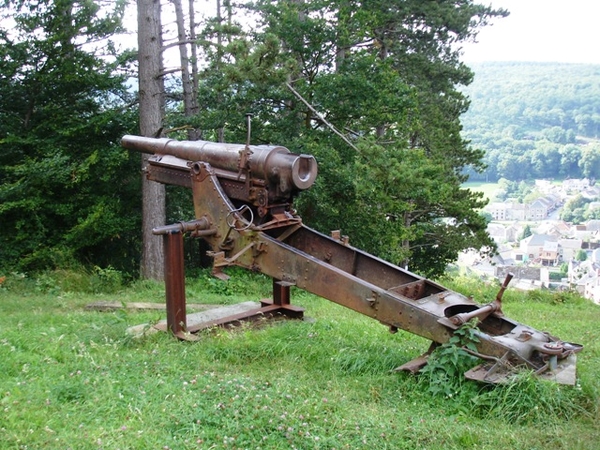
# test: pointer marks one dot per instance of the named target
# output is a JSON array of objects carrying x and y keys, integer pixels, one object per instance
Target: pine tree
[{"x": 371, "y": 89}]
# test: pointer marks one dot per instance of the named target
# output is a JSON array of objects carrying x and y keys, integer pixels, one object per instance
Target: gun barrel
[{"x": 274, "y": 163}]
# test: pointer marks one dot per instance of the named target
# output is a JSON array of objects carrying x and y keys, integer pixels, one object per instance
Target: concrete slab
[
  {"x": 219, "y": 313},
  {"x": 195, "y": 319},
  {"x": 565, "y": 373}
]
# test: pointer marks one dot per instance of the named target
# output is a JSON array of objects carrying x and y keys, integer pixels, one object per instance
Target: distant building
[
  {"x": 512, "y": 210},
  {"x": 591, "y": 289},
  {"x": 533, "y": 246},
  {"x": 549, "y": 255},
  {"x": 575, "y": 185},
  {"x": 584, "y": 277},
  {"x": 513, "y": 232},
  {"x": 568, "y": 248},
  {"x": 497, "y": 232},
  {"x": 591, "y": 192},
  {"x": 592, "y": 225},
  {"x": 553, "y": 242},
  {"x": 581, "y": 232},
  {"x": 505, "y": 256},
  {"x": 562, "y": 227},
  {"x": 538, "y": 210},
  {"x": 552, "y": 228},
  {"x": 499, "y": 211},
  {"x": 519, "y": 211}
]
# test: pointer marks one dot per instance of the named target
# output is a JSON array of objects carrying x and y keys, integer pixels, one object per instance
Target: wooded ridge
[{"x": 535, "y": 120}]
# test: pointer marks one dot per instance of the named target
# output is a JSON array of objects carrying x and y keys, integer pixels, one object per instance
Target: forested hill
[{"x": 535, "y": 120}]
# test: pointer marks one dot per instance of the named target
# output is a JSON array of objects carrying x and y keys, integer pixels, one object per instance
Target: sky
[
  {"x": 535, "y": 31},
  {"x": 541, "y": 31}
]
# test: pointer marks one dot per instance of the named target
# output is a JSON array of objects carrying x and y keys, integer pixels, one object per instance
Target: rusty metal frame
[
  {"x": 263, "y": 234},
  {"x": 175, "y": 286}
]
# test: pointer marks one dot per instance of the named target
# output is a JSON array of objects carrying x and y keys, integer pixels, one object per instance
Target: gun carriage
[{"x": 243, "y": 203}]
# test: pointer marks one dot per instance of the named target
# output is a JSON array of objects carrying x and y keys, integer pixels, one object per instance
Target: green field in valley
[{"x": 488, "y": 189}]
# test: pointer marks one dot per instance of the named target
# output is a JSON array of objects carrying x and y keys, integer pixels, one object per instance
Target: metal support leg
[
  {"x": 281, "y": 292},
  {"x": 281, "y": 299},
  {"x": 175, "y": 293},
  {"x": 175, "y": 283}
]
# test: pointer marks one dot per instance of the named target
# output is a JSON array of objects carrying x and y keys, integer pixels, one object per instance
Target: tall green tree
[
  {"x": 65, "y": 185},
  {"x": 581, "y": 255},
  {"x": 590, "y": 161},
  {"x": 371, "y": 89},
  {"x": 526, "y": 232}
]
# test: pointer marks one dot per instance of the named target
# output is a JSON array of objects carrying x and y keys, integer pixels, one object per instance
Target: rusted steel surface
[
  {"x": 175, "y": 282},
  {"x": 244, "y": 211},
  {"x": 284, "y": 171},
  {"x": 482, "y": 312}
]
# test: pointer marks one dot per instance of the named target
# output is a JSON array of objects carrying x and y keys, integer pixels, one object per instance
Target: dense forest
[
  {"x": 68, "y": 193},
  {"x": 371, "y": 89},
  {"x": 535, "y": 120}
]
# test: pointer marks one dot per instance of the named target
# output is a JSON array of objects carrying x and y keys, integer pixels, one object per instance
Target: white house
[
  {"x": 499, "y": 210},
  {"x": 593, "y": 225},
  {"x": 584, "y": 276},
  {"x": 568, "y": 248},
  {"x": 581, "y": 232},
  {"x": 549, "y": 254},
  {"x": 533, "y": 246},
  {"x": 575, "y": 185}
]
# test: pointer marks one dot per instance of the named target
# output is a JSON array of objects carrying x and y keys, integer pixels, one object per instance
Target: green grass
[
  {"x": 73, "y": 378},
  {"x": 488, "y": 189}
]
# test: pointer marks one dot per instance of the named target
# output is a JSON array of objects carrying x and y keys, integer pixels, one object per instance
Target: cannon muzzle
[{"x": 271, "y": 163}]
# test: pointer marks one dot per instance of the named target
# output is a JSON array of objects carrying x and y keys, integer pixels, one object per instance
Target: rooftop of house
[
  {"x": 570, "y": 243},
  {"x": 540, "y": 239},
  {"x": 593, "y": 225}
]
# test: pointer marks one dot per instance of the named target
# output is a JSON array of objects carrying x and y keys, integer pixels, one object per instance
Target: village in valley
[{"x": 540, "y": 249}]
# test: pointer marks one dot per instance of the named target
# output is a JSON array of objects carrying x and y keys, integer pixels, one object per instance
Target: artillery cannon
[{"x": 243, "y": 199}]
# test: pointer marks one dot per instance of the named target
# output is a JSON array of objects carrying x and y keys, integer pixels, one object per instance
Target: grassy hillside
[{"x": 72, "y": 378}]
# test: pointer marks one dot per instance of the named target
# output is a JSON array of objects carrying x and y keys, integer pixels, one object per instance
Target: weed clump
[
  {"x": 555, "y": 297},
  {"x": 524, "y": 398},
  {"x": 444, "y": 373}
]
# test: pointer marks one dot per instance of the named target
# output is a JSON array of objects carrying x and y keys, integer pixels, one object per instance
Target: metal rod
[
  {"x": 248, "y": 130},
  {"x": 183, "y": 227},
  {"x": 509, "y": 276},
  {"x": 175, "y": 283}
]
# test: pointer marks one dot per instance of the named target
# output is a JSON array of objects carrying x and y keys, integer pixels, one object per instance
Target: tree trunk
[
  {"x": 189, "y": 102},
  {"x": 194, "y": 62},
  {"x": 342, "y": 45},
  {"x": 151, "y": 92},
  {"x": 220, "y": 130}
]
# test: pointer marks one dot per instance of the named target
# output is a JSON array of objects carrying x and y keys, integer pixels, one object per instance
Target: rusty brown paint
[
  {"x": 246, "y": 216},
  {"x": 175, "y": 282}
]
